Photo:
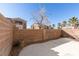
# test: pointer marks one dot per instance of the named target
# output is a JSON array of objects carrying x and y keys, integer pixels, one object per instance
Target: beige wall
[
  {"x": 52, "y": 34},
  {"x": 5, "y": 36},
  {"x": 29, "y": 36}
]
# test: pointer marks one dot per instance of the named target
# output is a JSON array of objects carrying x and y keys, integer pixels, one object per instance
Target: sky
[{"x": 56, "y": 12}]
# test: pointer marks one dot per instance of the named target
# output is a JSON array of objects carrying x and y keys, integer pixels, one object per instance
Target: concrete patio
[{"x": 60, "y": 47}]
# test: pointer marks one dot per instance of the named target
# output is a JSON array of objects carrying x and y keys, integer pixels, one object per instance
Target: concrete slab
[{"x": 59, "y": 47}]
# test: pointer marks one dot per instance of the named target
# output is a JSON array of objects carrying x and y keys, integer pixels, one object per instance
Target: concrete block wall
[
  {"x": 73, "y": 33},
  {"x": 6, "y": 34},
  {"x": 52, "y": 34},
  {"x": 29, "y": 36}
]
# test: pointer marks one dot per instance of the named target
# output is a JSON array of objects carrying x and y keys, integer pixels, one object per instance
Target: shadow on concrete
[{"x": 44, "y": 49}]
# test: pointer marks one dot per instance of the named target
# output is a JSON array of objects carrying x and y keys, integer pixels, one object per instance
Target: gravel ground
[{"x": 59, "y": 47}]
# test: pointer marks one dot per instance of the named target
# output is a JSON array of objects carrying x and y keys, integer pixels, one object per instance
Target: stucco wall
[{"x": 5, "y": 36}]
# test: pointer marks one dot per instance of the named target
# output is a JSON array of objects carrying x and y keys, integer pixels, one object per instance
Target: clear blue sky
[{"x": 56, "y": 12}]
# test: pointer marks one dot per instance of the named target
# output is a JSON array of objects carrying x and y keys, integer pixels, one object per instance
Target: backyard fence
[
  {"x": 31, "y": 35},
  {"x": 5, "y": 36},
  {"x": 9, "y": 34}
]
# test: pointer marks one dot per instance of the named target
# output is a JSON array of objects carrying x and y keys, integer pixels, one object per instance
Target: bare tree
[{"x": 40, "y": 18}]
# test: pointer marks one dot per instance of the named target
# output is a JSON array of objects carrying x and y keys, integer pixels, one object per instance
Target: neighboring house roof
[
  {"x": 19, "y": 19},
  {"x": 16, "y": 19}
]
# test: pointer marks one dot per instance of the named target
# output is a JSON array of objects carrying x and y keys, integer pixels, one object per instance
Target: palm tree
[{"x": 73, "y": 21}]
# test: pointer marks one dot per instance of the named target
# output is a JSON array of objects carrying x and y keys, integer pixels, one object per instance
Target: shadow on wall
[{"x": 67, "y": 33}]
